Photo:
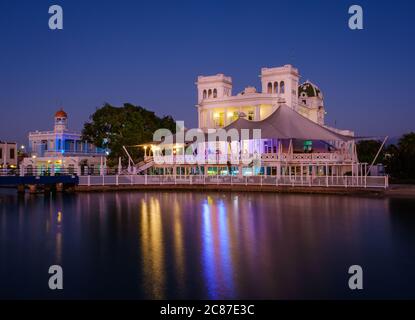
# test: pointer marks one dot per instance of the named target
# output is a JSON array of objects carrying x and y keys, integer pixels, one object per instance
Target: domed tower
[
  {"x": 61, "y": 120},
  {"x": 311, "y": 101}
]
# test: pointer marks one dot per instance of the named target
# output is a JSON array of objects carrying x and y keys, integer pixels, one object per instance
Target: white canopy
[{"x": 285, "y": 123}]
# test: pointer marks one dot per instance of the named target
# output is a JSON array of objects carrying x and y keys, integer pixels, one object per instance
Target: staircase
[{"x": 143, "y": 165}]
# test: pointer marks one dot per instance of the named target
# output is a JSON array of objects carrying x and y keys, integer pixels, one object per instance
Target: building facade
[
  {"x": 217, "y": 106},
  {"x": 61, "y": 149},
  {"x": 8, "y": 155},
  {"x": 291, "y": 117}
]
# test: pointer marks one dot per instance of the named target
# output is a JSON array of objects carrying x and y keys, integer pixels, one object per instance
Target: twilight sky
[{"x": 149, "y": 53}]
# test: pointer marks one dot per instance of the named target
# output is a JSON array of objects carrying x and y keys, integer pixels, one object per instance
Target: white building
[
  {"x": 290, "y": 115},
  {"x": 61, "y": 150},
  {"x": 8, "y": 155},
  {"x": 217, "y": 107}
]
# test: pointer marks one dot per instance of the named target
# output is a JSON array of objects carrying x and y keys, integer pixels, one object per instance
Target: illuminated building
[
  {"x": 294, "y": 140},
  {"x": 61, "y": 148},
  {"x": 8, "y": 155}
]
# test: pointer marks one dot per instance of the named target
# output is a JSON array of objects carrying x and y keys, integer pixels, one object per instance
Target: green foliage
[
  {"x": 367, "y": 149},
  {"x": 114, "y": 127},
  {"x": 403, "y": 159},
  {"x": 399, "y": 160}
]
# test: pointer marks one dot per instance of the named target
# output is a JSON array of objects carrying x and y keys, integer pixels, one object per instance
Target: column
[{"x": 257, "y": 113}]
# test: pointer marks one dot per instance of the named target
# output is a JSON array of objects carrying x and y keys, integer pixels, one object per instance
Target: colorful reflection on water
[{"x": 160, "y": 245}]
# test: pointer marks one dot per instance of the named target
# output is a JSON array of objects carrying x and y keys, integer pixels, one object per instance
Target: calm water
[{"x": 205, "y": 245}]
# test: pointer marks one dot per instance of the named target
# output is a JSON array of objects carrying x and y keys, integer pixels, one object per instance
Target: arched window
[
  {"x": 204, "y": 94},
  {"x": 210, "y": 93},
  {"x": 269, "y": 89},
  {"x": 282, "y": 87},
  {"x": 215, "y": 93},
  {"x": 275, "y": 87}
]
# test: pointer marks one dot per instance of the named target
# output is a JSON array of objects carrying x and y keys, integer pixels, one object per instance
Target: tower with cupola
[{"x": 61, "y": 121}]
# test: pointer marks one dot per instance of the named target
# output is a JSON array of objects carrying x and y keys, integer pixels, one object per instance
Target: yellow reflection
[
  {"x": 152, "y": 244},
  {"x": 178, "y": 244}
]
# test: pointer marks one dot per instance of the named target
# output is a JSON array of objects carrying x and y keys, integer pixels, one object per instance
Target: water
[{"x": 157, "y": 245}]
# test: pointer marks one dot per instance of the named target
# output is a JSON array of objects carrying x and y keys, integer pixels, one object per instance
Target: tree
[
  {"x": 400, "y": 159},
  {"x": 391, "y": 160},
  {"x": 406, "y": 147},
  {"x": 367, "y": 150},
  {"x": 113, "y": 127}
]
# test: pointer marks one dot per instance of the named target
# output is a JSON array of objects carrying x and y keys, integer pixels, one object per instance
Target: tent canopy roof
[{"x": 285, "y": 123}]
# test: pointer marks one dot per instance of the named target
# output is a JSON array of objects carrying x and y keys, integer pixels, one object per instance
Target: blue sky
[{"x": 149, "y": 53}]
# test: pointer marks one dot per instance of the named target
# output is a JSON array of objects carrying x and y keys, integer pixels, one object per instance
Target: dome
[
  {"x": 308, "y": 90},
  {"x": 61, "y": 114}
]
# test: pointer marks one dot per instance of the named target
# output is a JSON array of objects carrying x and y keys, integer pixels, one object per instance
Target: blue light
[{"x": 208, "y": 253}]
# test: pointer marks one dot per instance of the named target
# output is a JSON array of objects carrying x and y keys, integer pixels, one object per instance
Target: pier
[{"x": 39, "y": 183}]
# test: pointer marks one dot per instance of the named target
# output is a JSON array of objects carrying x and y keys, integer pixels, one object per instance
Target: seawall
[{"x": 378, "y": 192}]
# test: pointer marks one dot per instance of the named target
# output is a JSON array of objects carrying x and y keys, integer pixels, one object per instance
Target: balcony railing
[
  {"x": 306, "y": 157},
  {"x": 246, "y": 158}
]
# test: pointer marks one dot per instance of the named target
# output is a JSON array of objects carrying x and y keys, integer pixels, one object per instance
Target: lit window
[
  {"x": 221, "y": 119},
  {"x": 235, "y": 115},
  {"x": 269, "y": 90},
  {"x": 250, "y": 115}
]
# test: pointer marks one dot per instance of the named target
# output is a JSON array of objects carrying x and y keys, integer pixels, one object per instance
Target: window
[
  {"x": 210, "y": 93},
  {"x": 250, "y": 115},
  {"x": 12, "y": 153},
  {"x": 235, "y": 115},
  {"x": 45, "y": 144},
  {"x": 204, "y": 94},
  {"x": 219, "y": 119},
  {"x": 282, "y": 87},
  {"x": 1, "y": 153},
  {"x": 215, "y": 93},
  {"x": 269, "y": 90},
  {"x": 275, "y": 87}
]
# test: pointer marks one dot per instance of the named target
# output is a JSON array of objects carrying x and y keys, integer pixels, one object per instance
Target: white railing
[
  {"x": 266, "y": 157},
  {"x": 294, "y": 181},
  {"x": 306, "y": 157}
]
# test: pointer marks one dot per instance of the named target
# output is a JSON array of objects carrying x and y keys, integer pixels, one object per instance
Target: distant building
[
  {"x": 8, "y": 155},
  {"x": 61, "y": 149}
]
